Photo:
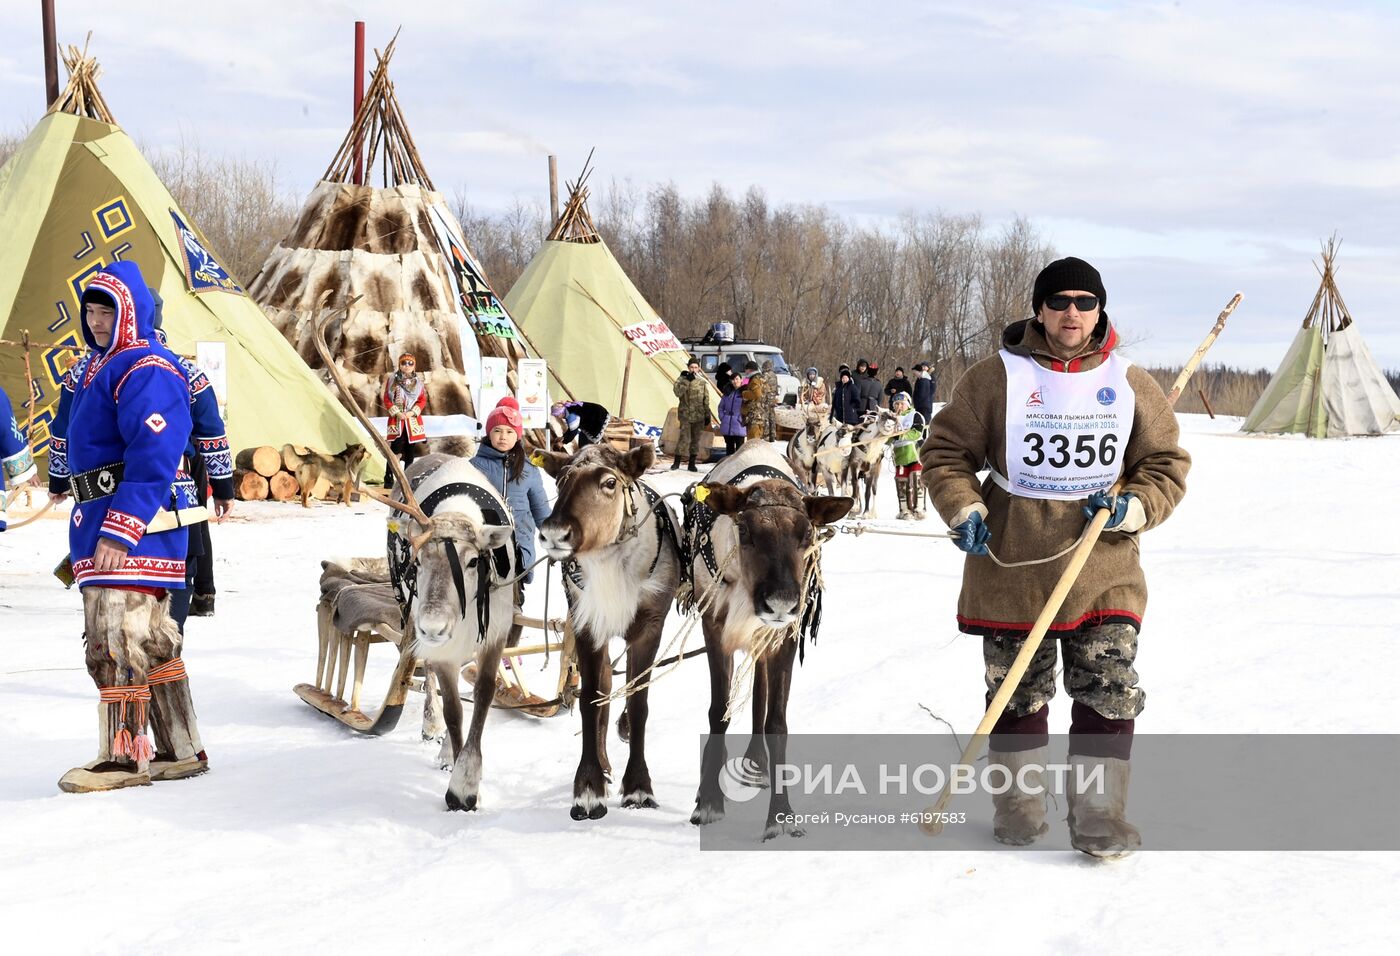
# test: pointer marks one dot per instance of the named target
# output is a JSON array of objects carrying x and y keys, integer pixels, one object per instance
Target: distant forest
[{"x": 932, "y": 286}]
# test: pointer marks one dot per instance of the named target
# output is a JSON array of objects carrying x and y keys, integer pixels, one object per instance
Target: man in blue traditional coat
[{"x": 116, "y": 447}]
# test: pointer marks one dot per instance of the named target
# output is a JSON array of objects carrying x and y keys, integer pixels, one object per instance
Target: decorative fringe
[{"x": 137, "y": 746}]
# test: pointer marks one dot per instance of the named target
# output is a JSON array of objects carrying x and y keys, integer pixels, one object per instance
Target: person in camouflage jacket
[
  {"x": 770, "y": 401},
  {"x": 692, "y": 412},
  {"x": 751, "y": 390}
]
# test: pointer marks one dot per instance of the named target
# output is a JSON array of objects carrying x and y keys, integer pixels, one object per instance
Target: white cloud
[{"x": 1193, "y": 147}]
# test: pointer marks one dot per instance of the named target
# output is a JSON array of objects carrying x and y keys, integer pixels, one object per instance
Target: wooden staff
[
  {"x": 1201, "y": 350},
  {"x": 26, "y": 344},
  {"x": 930, "y": 824},
  {"x": 626, "y": 376},
  {"x": 33, "y": 398}
]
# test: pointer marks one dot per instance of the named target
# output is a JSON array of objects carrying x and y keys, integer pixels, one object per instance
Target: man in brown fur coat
[{"x": 1059, "y": 417}]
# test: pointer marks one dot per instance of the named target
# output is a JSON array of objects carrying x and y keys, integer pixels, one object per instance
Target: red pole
[
  {"x": 359, "y": 97},
  {"x": 50, "y": 52}
]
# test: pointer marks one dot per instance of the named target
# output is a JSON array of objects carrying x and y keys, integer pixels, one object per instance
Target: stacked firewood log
[{"x": 264, "y": 473}]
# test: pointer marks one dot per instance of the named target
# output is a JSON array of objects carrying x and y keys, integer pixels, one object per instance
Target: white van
[{"x": 712, "y": 353}]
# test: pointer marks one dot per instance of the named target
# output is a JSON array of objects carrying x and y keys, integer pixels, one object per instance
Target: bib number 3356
[{"x": 1057, "y": 450}]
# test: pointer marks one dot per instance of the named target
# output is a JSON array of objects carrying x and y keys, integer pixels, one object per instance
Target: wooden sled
[
  {"x": 333, "y": 660},
  {"x": 512, "y": 687},
  {"x": 348, "y": 625}
]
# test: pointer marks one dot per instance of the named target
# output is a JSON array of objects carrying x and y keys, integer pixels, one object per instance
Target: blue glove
[
  {"x": 972, "y": 535},
  {"x": 1117, "y": 506}
]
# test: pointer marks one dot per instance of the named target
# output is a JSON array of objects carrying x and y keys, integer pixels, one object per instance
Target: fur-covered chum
[{"x": 379, "y": 244}]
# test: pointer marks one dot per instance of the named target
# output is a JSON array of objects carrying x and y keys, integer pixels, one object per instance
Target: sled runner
[{"x": 357, "y": 609}]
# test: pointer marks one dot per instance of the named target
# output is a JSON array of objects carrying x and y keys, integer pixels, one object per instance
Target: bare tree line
[
  {"x": 934, "y": 286},
  {"x": 931, "y": 286}
]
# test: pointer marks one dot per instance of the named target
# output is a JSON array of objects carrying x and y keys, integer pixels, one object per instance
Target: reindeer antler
[{"x": 410, "y": 504}]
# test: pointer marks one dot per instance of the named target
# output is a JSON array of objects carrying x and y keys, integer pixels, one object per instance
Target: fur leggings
[{"x": 127, "y": 634}]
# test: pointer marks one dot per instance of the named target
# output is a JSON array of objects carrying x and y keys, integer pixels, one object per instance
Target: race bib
[{"x": 1065, "y": 431}]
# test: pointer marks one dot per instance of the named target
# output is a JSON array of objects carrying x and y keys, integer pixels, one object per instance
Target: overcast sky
[{"x": 1187, "y": 149}]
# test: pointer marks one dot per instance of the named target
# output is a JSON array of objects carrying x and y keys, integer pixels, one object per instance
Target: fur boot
[
  {"x": 901, "y": 489},
  {"x": 915, "y": 492},
  {"x": 104, "y": 773},
  {"x": 1096, "y": 818},
  {"x": 179, "y": 751},
  {"x": 1020, "y": 813}
]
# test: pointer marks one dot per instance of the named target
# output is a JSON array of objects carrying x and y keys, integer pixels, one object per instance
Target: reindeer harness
[
  {"x": 403, "y": 568},
  {"x": 665, "y": 531},
  {"x": 696, "y": 541}
]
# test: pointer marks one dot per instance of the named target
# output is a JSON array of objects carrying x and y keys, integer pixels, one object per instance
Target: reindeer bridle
[
  {"x": 403, "y": 552},
  {"x": 665, "y": 530}
]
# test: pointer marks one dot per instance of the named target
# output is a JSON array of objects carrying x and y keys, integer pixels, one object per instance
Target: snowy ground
[{"x": 1274, "y": 608}]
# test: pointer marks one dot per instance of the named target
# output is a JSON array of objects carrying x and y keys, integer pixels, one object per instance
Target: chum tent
[
  {"x": 603, "y": 341},
  {"x": 1328, "y": 385},
  {"x": 76, "y": 196},
  {"x": 400, "y": 248}
]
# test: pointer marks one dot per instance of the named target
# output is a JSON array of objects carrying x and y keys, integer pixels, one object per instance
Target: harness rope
[
  {"x": 766, "y": 640},
  {"x": 32, "y": 518},
  {"x": 694, "y": 615},
  {"x": 859, "y": 527},
  {"x": 697, "y": 544}
]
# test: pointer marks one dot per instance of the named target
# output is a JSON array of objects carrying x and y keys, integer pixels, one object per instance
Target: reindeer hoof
[
  {"x": 703, "y": 815},
  {"x": 641, "y": 800},
  {"x": 587, "y": 806},
  {"x": 456, "y": 803},
  {"x": 774, "y": 829}
]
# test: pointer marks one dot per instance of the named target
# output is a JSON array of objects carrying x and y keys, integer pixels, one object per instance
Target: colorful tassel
[{"x": 122, "y": 745}]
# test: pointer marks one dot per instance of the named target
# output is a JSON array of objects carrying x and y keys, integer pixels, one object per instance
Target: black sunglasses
[{"x": 1084, "y": 303}]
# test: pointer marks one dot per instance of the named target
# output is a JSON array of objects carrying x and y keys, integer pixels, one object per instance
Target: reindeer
[
  {"x": 452, "y": 562},
  {"x": 832, "y": 455},
  {"x": 802, "y": 451},
  {"x": 762, "y": 529},
  {"x": 867, "y": 456},
  {"x": 622, "y": 566}
]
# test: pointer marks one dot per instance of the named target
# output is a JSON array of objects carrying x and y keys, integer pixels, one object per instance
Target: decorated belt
[{"x": 96, "y": 482}]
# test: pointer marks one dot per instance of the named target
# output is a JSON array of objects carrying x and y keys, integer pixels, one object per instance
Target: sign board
[
  {"x": 212, "y": 359},
  {"x": 494, "y": 386},
  {"x": 652, "y": 337},
  {"x": 532, "y": 392}
]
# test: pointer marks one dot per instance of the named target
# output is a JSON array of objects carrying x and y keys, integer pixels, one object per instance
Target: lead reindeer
[
  {"x": 452, "y": 559},
  {"x": 751, "y": 537},
  {"x": 452, "y": 562},
  {"x": 622, "y": 564},
  {"x": 867, "y": 457}
]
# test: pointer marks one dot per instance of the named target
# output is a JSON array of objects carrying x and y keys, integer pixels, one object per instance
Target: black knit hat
[
  {"x": 99, "y": 297},
  {"x": 1063, "y": 275}
]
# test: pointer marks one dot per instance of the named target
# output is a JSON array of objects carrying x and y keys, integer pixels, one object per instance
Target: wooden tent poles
[
  {"x": 81, "y": 97},
  {"x": 379, "y": 124},
  {"x": 1328, "y": 309},
  {"x": 574, "y": 223}
]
